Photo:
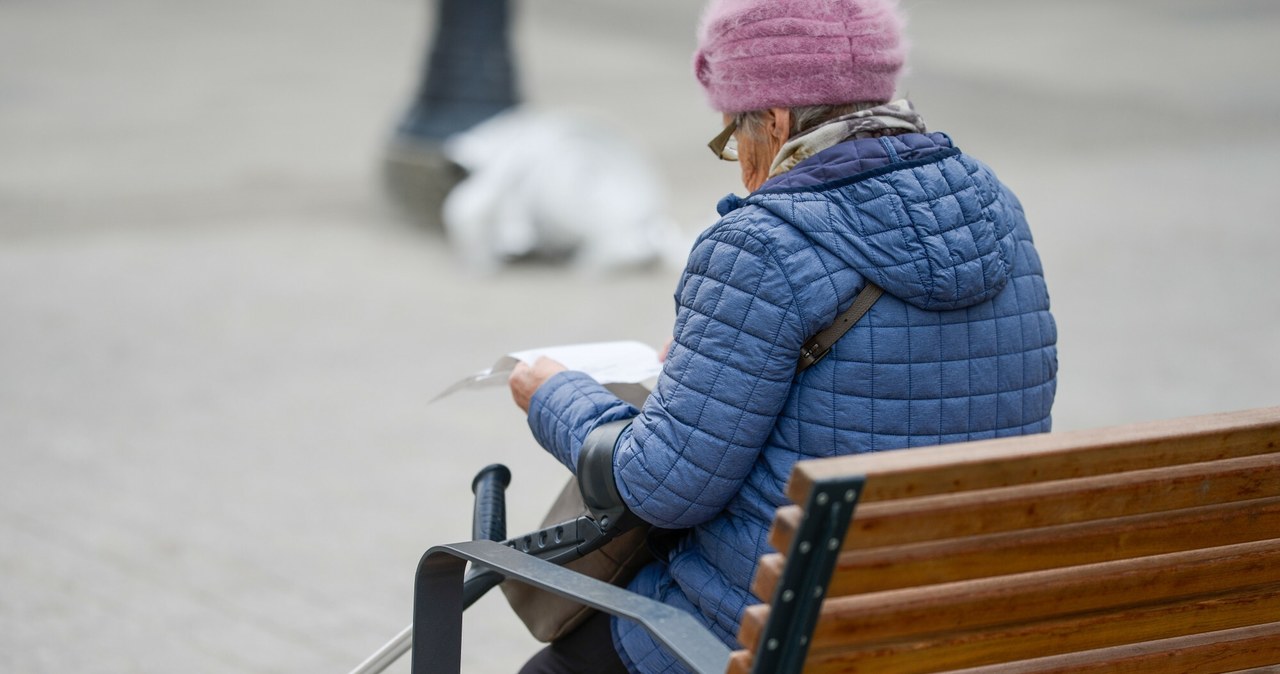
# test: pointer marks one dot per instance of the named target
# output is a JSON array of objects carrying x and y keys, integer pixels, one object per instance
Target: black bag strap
[{"x": 820, "y": 344}]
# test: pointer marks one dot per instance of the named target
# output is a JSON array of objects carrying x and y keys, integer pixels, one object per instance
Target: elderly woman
[{"x": 848, "y": 190}]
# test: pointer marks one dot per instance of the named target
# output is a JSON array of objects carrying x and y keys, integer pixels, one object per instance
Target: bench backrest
[{"x": 1140, "y": 548}]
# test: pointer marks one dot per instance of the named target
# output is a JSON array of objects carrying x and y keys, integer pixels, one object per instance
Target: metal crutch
[
  {"x": 605, "y": 519},
  {"x": 488, "y": 522}
]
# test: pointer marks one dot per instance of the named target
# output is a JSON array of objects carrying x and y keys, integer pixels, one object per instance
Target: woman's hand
[
  {"x": 666, "y": 350},
  {"x": 525, "y": 379}
]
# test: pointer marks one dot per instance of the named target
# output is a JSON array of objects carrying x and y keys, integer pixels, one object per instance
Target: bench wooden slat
[
  {"x": 1058, "y": 502},
  {"x": 1050, "y": 637},
  {"x": 740, "y": 663},
  {"x": 1212, "y": 653},
  {"x": 968, "y": 649},
  {"x": 1150, "y": 547},
  {"x": 997, "y": 463},
  {"x": 1039, "y": 595},
  {"x": 1017, "y": 552}
]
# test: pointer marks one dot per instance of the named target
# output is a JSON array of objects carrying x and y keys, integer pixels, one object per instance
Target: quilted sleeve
[
  {"x": 737, "y": 338},
  {"x": 566, "y": 408}
]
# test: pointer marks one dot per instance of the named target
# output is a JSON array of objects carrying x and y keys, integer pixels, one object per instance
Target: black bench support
[{"x": 797, "y": 600}]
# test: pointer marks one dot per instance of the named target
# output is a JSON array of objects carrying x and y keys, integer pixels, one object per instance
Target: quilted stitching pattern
[{"x": 961, "y": 347}]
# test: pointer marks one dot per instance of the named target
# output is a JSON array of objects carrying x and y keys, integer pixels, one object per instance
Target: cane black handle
[{"x": 489, "y": 519}]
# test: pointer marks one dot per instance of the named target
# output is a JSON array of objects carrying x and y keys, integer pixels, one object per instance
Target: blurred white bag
[{"x": 556, "y": 186}]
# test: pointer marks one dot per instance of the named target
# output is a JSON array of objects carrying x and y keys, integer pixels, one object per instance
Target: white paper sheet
[{"x": 615, "y": 364}]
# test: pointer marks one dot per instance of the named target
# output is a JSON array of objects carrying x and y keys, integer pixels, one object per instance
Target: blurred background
[{"x": 219, "y": 335}]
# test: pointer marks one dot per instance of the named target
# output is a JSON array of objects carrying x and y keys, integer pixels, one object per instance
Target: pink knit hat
[{"x": 757, "y": 54}]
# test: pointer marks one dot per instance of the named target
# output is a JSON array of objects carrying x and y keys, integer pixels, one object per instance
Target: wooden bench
[{"x": 1143, "y": 548}]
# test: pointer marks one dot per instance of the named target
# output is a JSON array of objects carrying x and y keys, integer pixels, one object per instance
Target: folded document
[{"x": 623, "y": 367}]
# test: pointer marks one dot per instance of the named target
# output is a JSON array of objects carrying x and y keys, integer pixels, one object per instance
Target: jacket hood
[{"x": 911, "y": 213}]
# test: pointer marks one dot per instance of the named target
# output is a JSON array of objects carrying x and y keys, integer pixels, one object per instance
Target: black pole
[{"x": 468, "y": 75}]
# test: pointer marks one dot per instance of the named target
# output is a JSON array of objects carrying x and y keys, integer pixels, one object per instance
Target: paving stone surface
[{"x": 219, "y": 340}]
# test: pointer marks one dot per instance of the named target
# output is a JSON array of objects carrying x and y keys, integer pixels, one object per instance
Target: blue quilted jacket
[{"x": 960, "y": 347}]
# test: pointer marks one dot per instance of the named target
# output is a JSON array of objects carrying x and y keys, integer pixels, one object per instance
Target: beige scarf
[{"x": 890, "y": 119}]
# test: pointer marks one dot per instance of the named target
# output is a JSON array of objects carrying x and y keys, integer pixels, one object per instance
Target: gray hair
[{"x": 803, "y": 117}]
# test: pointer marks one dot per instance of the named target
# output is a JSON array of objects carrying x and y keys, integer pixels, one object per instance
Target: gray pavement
[{"x": 218, "y": 341}]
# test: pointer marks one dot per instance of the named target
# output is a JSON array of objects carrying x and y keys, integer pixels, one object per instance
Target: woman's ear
[{"x": 779, "y": 124}]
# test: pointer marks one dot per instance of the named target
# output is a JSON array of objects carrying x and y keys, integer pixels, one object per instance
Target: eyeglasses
[{"x": 725, "y": 146}]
